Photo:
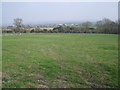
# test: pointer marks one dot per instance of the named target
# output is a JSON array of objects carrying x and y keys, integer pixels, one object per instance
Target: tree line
[{"x": 105, "y": 25}]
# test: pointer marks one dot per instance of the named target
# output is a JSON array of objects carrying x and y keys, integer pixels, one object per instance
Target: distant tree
[
  {"x": 107, "y": 26},
  {"x": 106, "y": 21},
  {"x": 87, "y": 23},
  {"x": 86, "y": 26},
  {"x": 99, "y": 26},
  {"x": 119, "y": 25},
  {"x": 59, "y": 29},
  {"x": 18, "y": 24}
]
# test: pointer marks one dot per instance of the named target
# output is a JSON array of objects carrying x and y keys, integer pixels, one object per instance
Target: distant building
[{"x": 60, "y": 24}]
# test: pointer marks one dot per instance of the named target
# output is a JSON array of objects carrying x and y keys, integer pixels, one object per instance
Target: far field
[{"x": 60, "y": 60}]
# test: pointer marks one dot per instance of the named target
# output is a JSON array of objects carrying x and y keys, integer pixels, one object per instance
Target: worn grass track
[{"x": 60, "y": 60}]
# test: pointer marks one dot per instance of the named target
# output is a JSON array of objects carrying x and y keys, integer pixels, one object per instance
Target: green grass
[
  {"x": 60, "y": 60},
  {"x": 0, "y": 60}
]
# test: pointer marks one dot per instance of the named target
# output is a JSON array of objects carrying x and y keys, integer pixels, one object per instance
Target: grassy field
[
  {"x": 60, "y": 60},
  {"x": 0, "y": 60}
]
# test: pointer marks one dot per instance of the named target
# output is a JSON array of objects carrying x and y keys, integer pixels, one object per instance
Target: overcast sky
[{"x": 49, "y": 12}]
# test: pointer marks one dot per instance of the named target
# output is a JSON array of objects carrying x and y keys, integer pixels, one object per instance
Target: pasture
[{"x": 60, "y": 60}]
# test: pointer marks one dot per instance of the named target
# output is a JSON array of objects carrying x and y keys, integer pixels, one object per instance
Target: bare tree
[
  {"x": 107, "y": 26},
  {"x": 86, "y": 26},
  {"x": 106, "y": 21},
  {"x": 18, "y": 24}
]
